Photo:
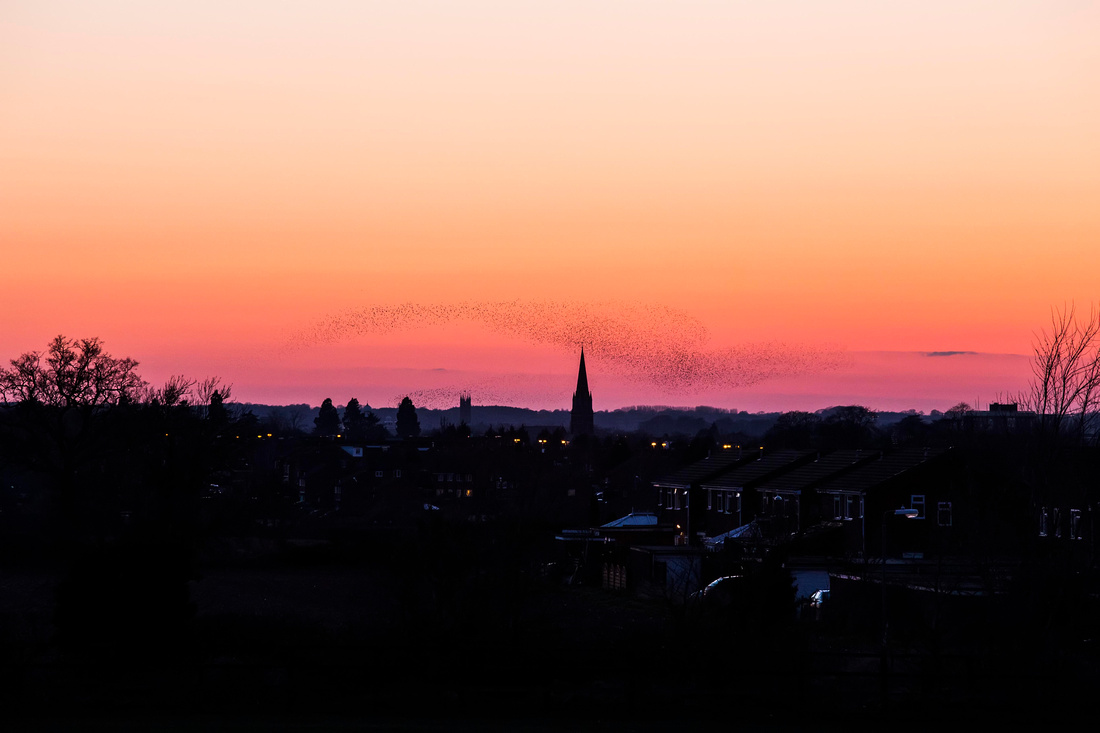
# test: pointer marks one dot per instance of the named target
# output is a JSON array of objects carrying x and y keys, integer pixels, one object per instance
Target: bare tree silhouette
[
  {"x": 1065, "y": 386},
  {"x": 71, "y": 373}
]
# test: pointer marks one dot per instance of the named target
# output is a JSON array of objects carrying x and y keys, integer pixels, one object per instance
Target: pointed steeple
[
  {"x": 582, "y": 378},
  {"x": 581, "y": 418}
]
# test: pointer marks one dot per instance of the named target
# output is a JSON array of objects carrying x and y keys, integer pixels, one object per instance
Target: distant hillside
[{"x": 653, "y": 420}]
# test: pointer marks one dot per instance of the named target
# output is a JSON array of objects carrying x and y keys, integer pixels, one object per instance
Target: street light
[{"x": 908, "y": 513}]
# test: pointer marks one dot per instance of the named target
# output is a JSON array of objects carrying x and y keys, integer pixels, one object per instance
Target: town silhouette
[{"x": 166, "y": 549}]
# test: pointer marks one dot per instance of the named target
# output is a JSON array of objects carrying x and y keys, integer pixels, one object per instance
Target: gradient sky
[{"x": 199, "y": 182}]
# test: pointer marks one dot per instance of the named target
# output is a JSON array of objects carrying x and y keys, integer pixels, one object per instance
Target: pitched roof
[
  {"x": 824, "y": 468},
  {"x": 884, "y": 469},
  {"x": 752, "y": 473},
  {"x": 644, "y": 519},
  {"x": 706, "y": 468}
]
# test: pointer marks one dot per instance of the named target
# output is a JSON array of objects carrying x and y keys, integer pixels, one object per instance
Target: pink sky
[{"x": 198, "y": 183}]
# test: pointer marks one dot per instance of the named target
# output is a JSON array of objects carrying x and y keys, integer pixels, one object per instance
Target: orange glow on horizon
[{"x": 196, "y": 187}]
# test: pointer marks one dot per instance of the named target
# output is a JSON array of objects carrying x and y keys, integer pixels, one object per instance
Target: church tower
[
  {"x": 581, "y": 418},
  {"x": 465, "y": 408}
]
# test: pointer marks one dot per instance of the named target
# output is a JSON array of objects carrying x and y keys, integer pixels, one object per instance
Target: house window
[
  {"x": 837, "y": 514},
  {"x": 861, "y": 506},
  {"x": 378, "y": 474},
  {"x": 943, "y": 514},
  {"x": 1075, "y": 524},
  {"x": 849, "y": 506},
  {"x": 675, "y": 499},
  {"x": 1044, "y": 522},
  {"x": 397, "y": 473},
  {"x": 916, "y": 501},
  {"x": 1057, "y": 522},
  {"x": 737, "y": 499}
]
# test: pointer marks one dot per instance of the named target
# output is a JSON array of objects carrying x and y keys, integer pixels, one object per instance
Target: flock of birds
[{"x": 659, "y": 347}]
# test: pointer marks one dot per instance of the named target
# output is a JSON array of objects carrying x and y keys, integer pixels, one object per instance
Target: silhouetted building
[
  {"x": 581, "y": 417},
  {"x": 465, "y": 408},
  {"x": 999, "y": 418}
]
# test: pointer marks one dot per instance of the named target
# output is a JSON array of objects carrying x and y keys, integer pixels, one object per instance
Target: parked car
[{"x": 719, "y": 593}]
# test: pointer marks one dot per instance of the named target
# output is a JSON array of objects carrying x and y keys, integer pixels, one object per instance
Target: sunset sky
[{"x": 840, "y": 195}]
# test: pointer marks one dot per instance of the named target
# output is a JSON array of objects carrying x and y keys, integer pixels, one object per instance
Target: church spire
[
  {"x": 582, "y": 378},
  {"x": 581, "y": 417}
]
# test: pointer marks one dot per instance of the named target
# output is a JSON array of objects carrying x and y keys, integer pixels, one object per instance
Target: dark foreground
[{"x": 342, "y": 647}]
